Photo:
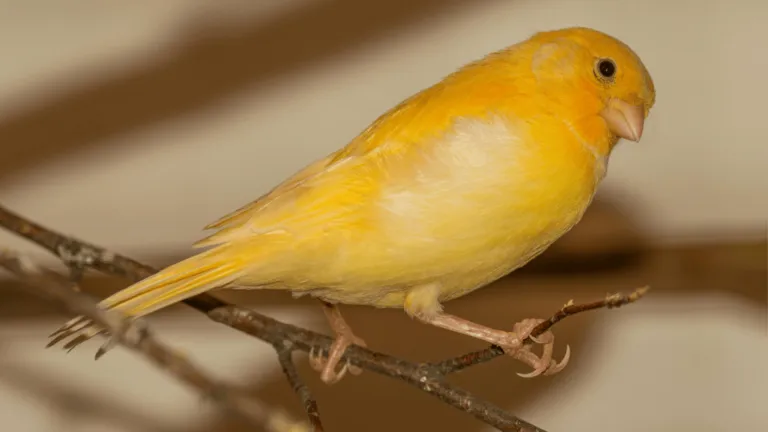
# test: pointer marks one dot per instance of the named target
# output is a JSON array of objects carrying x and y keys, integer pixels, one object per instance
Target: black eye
[{"x": 606, "y": 68}]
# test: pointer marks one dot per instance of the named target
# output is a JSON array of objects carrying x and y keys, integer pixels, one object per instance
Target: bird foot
[
  {"x": 328, "y": 366},
  {"x": 513, "y": 343},
  {"x": 344, "y": 338},
  {"x": 514, "y": 346}
]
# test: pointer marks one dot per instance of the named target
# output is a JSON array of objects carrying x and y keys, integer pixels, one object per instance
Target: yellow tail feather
[{"x": 211, "y": 269}]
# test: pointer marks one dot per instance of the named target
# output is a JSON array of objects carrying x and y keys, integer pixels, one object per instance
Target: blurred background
[{"x": 133, "y": 124}]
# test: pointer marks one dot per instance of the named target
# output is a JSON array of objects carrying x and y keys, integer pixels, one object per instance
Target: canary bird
[{"x": 453, "y": 188}]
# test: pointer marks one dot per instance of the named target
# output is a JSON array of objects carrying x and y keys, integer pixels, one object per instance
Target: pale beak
[{"x": 624, "y": 120}]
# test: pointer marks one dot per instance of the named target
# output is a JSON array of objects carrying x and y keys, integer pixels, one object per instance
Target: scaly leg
[
  {"x": 510, "y": 342},
  {"x": 344, "y": 338}
]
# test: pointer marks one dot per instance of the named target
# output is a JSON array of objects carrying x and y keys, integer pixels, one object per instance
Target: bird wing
[
  {"x": 325, "y": 189},
  {"x": 334, "y": 188}
]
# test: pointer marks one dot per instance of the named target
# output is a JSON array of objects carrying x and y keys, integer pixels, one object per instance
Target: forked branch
[{"x": 286, "y": 338}]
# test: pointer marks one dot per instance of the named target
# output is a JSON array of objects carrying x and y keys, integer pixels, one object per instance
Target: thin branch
[
  {"x": 474, "y": 358},
  {"x": 429, "y": 377},
  {"x": 134, "y": 335},
  {"x": 415, "y": 374},
  {"x": 284, "y": 355}
]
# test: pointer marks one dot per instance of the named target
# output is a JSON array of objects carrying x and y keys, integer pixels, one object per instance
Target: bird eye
[{"x": 605, "y": 68}]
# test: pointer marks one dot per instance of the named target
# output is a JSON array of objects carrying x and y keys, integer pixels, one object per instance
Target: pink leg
[
  {"x": 511, "y": 342},
  {"x": 344, "y": 338}
]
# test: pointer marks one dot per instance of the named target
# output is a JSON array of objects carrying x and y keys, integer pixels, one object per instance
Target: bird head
[{"x": 593, "y": 77}]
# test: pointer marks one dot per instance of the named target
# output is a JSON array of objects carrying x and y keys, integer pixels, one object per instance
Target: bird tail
[
  {"x": 214, "y": 268},
  {"x": 211, "y": 269}
]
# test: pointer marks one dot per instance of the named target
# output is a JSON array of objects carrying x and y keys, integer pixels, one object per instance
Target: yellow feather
[
  {"x": 244, "y": 212},
  {"x": 211, "y": 269}
]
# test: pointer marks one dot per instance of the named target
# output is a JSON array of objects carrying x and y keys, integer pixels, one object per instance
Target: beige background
[{"x": 133, "y": 124}]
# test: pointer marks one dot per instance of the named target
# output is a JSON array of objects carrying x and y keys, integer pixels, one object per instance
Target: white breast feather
[{"x": 474, "y": 155}]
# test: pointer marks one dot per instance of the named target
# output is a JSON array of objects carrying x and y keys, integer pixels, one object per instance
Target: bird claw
[
  {"x": 542, "y": 365},
  {"x": 344, "y": 338},
  {"x": 329, "y": 374}
]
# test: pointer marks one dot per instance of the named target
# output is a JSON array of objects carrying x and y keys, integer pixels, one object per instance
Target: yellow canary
[{"x": 453, "y": 188}]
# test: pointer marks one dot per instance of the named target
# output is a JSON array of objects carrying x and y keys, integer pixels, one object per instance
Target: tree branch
[
  {"x": 474, "y": 358},
  {"x": 429, "y": 377},
  {"x": 136, "y": 336},
  {"x": 284, "y": 355}
]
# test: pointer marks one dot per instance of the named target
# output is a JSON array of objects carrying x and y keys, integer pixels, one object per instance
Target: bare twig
[
  {"x": 474, "y": 358},
  {"x": 429, "y": 377},
  {"x": 292, "y": 375},
  {"x": 415, "y": 374},
  {"x": 134, "y": 335}
]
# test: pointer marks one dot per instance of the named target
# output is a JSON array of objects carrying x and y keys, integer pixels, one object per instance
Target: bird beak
[{"x": 624, "y": 120}]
